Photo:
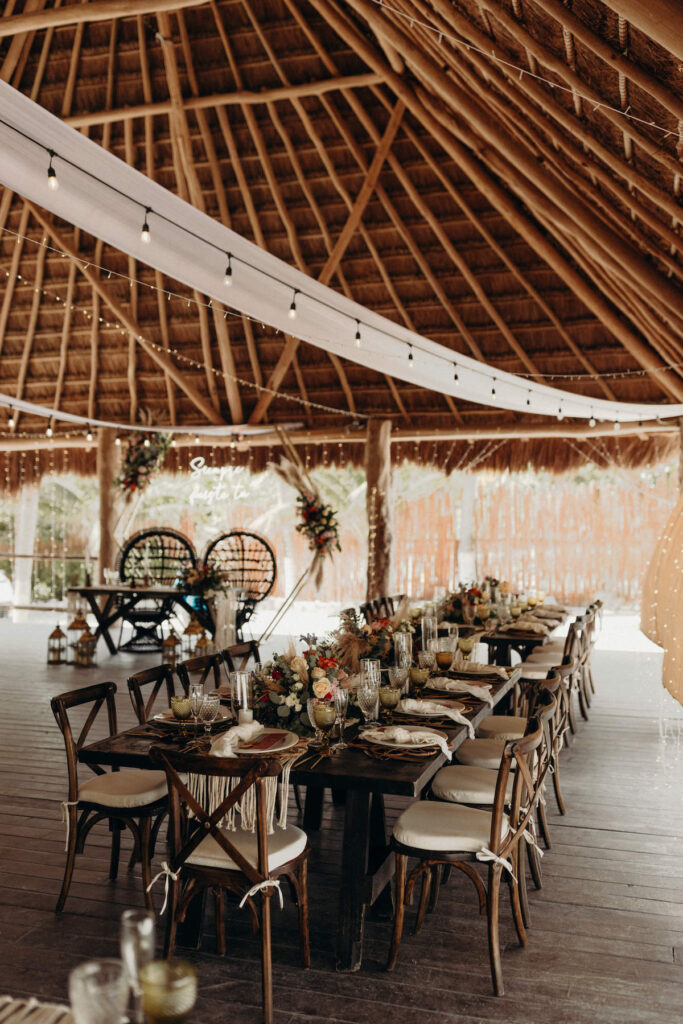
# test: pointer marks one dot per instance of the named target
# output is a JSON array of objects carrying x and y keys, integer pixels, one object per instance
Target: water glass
[
  {"x": 426, "y": 659},
  {"x": 403, "y": 649},
  {"x": 370, "y": 669},
  {"x": 98, "y": 992},
  {"x": 341, "y": 700},
  {"x": 429, "y": 630},
  {"x": 398, "y": 676},
  {"x": 209, "y": 710},
  {"x": 241, "y": 694},
  {"x": 389, "y": 696},
  {"x": 137, "y": 949},
  {"x": 367, "y": 697}
]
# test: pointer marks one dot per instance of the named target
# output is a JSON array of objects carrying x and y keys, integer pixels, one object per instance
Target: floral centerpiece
[
  {"x": 143, "y": 453},
  {"x": 356, "y": 639},
  {"x": 205, "y": 579},
  {"x": 283, "y": 685},
  {"x": 318, "y": 524}
]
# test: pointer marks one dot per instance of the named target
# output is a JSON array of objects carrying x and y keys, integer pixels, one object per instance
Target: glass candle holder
[
  {"x": 389, "y": 696},
  {"x": 324, "y": 717},
  {"x": 169, "y": 990},
  {"x": 418, "y": 680}
]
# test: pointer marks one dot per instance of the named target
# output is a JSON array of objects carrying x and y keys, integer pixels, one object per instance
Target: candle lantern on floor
[
  {"x": 204, "y": 646},
  {"x": 191, "y": 636},
  {"x": 169, "y": 649},
  {"x": 74, "y": 632},
  {"x": 56, "y": 647},
  {"x": 85, "y": 653}
]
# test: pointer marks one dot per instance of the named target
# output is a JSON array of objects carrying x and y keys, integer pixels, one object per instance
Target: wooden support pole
[
  {"x": 107, "y": 468},
  {"x": 378, "y": 504}
]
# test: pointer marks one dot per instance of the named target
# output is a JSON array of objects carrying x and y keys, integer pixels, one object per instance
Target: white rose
[
  {"x": 321, "y": 687},
  {"x": 298, "y": 686},
  {"x": 290, "y": 700},
  {"x": 299, "y": 666},
  {"x": 318, "y": 673},
  {"x": 297, "y": 708}
]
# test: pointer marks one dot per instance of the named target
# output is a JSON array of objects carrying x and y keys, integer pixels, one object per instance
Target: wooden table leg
[
  {"x": 101, "y": 616},
  {"x": 353, "y": 880},
  {"x": 383, "y": 906},
  {"x": 313, "y": 808}
]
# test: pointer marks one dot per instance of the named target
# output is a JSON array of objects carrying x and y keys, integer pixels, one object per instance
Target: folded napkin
[
  {"x": 525, "y": 626},
  {"x": 222, "y": 746},
  {"x": 482, "y": 691},
  {"x": 409, "y": 737},
  {"x": 477, "y": 668},
  {"x": 419, "y": 707},
  {"x": 553, "y": 609}
]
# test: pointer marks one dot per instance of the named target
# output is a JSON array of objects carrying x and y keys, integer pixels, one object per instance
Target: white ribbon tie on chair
[
  {"x": 266, "y": 884},
  {"x": 165, "y": 871},
  {"x": 490, "y": 857},
  {"x": 66, "y": 818}
]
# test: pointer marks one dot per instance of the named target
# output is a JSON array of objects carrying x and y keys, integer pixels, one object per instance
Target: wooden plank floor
[{"x": 606, "y": 942}]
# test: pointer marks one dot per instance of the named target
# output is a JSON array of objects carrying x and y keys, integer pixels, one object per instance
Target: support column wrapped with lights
[{"x": 661, "y": 616}]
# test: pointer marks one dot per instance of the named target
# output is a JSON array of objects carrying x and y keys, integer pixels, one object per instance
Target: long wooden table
[
  {"x": 120, "y": 599},
  {"x": 367, "y": 866}
]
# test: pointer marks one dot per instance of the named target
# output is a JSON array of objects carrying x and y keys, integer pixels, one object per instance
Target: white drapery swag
[{"x": 263, "y": 286}]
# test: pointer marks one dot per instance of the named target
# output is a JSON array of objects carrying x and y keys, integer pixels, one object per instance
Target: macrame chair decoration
[
  {"x": 161, "y": 553},
  {"x": 249, "y": 563}
]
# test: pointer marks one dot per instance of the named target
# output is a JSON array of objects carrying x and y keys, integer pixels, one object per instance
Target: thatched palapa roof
[{"x": 503, "y": 176}]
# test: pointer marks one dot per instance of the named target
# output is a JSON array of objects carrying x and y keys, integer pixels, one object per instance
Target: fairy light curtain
[
  {"x": 661, "y": 616},
  {"x": 57, "y": 167}
]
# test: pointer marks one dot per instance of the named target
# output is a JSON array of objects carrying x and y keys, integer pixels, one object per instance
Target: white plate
[
  {"x": 168, "y": 718},
  {"x": 454, "y": 705},
  {"x": 404, "y": 746},
  {"x": 288, "y": 739}
]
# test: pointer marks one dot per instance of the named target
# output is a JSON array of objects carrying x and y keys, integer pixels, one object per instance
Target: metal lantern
[
  {"x": 85, "y": 653},
  {"x": 204, "y": 646},
  {"x": 191, "y": 634},
  {"x": 56, "y": 647},
  {"x": 74, "y": 631},
  {"x": 169, "y": 649}
]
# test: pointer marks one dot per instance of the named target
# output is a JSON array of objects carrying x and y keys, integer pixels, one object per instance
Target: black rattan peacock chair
[
  {"x": 249, "y": 562},
  {"x": 161, "y": 554}
]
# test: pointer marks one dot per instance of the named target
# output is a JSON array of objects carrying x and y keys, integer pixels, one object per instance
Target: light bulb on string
[
  {"x": 592, "y": 421},
  {"x": 228, "y": 272},
  {"x": 48, "y": 432},
  {"x": 88, "y": 436},
  {"x": 292, "y": 308},
  {"x": 528, "y": 399},
  {"x": 196, "y": 439},
  {"x": 357, "y": 338},
  {"x": 146, "y": 442},
  {"x": 146, "y": 236},
  {"x": 117, "y": 442},
  {"x": 455, "y": 372},
  {"x": 493, "y": 387},
  {"x": 52, "y": 179},
  {"x": 410, "y": 353},
  {"x": 560, "y": 414},
  {"x": 617, "y": 426},
  {"x": 11, "y": 421}
]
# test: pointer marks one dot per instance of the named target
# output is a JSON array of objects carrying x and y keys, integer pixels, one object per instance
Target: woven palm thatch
[{"x": 503, "y": 207}]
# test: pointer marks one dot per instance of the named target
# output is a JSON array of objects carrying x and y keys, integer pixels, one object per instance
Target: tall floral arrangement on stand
[{"x": 143, "y": 453}]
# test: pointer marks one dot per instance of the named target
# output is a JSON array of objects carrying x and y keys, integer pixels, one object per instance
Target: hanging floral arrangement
[
  {"x": 318, "y": 524},
  {"x": 143, "y": 453}
]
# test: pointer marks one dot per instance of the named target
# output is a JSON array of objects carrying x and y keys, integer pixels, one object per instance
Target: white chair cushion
[
  {"x": 463, "y": 784},
  {"x": 484, "y": 753},
  {"x": 130, "y": 788},
  {"x": 534, "y": 671},
  {"x": 285, "y": 844},
  {"x": 505, "y": 727},
  {"x": 427, "y": 825}
]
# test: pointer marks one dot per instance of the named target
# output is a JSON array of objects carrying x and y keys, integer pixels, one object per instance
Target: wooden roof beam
[
  {"x": 75, "y": 14},
  {"x": 455, "y": 142},
  {"x": 661, "y": 20},
  {"x": 341, "y": 245},
  {"x": 128, "y": 322},
  {"x": 240, "y": 97},
  {"x": 619, "y": 62}
]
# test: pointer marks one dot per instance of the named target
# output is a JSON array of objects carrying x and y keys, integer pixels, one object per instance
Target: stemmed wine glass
[
  {"x": 341, "y": 700},
  {"x": 366, "y": 695},
  {"x": 324, "y": 716},
  {"x": 137, "y": 949},
  {"x": 196, "y": 700}
]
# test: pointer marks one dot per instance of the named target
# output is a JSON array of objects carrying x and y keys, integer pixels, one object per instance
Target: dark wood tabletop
[{"x": 363, "y": 781}]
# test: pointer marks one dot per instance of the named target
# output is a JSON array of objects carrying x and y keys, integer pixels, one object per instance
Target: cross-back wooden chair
[
  {"x": 145, "y": 687},
  {"x": 459, "y": 836},
  {"x": 242, "y": 657},
  {"x": 205, "y": 668},
  {"x": 202, "y": 855},
  {"x": 131, "y": 798}
]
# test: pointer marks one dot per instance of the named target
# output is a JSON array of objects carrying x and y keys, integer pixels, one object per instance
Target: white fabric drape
[
  {"x": 661, "y": 617},
  {"x": 27, "y": 130}
]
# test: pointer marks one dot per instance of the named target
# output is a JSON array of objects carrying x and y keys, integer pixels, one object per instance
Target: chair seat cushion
[
  {"x": 427, "y": 825},
  {"x": 129, "y": 788},
  {"x": 534, "y": 671},
  {"x": 284, "y": 845},
  {"x": 505, "y": 727},
  {"x": 464, "y": 784},
  {"x": 483, "y": 753}
]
